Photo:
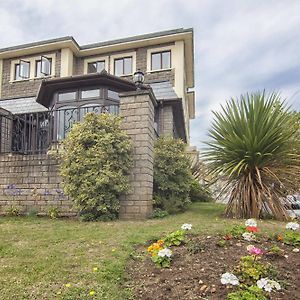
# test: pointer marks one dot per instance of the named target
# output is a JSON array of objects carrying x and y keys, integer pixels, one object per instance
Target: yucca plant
[{"x": 254, "y": 148}]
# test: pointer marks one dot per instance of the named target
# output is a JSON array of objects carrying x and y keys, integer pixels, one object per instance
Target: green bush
[
  {"x": 199, "y": 193},
  {"x": 13, "y": 211},
  {"x": 172, "y": 175},
  {"x": 96, "y": 158}
]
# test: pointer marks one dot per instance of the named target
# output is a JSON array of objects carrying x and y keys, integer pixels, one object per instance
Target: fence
[{"x": 34, "y": 133}]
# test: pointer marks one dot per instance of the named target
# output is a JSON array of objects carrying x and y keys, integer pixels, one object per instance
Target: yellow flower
[
  {"x": 95, "y": 269},
  {"x": 113, "y": 250},
  {"x": 92, "y": 293},
  {"x": 160, "y": 242},
  {"x": 68, "y": 284}
]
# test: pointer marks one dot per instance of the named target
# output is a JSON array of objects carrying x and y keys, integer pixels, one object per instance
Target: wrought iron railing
[{"x": 34, "y": 133}]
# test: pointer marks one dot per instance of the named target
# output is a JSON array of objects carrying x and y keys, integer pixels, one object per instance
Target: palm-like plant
[{"x": 253, "y": 147}]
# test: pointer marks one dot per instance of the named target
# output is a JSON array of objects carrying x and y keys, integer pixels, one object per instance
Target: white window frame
[
  {"x": 93, "y": 60},
  {"x": 123, "y": 55},
  {"x": 157, "y": 50},
  {"x": 32, "y": 61}
]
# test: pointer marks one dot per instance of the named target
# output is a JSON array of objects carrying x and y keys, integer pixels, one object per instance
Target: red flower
[{"x": 252, "y": 229}]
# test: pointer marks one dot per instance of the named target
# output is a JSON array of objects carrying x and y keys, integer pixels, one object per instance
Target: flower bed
[{"x": 232, "y": 266}]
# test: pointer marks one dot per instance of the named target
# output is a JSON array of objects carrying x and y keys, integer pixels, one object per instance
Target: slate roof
[
  {"x": 22, "y": 105},
  {"x": 162, "y": 91}
]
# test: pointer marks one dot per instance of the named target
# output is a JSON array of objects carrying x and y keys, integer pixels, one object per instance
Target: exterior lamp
[{"x": 138, "y": 79}]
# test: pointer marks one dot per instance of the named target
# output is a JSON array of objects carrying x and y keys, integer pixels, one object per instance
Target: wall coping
[{"x": 140, "y": 92}]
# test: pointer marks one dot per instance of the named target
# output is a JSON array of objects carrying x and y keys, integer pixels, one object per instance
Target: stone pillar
[
  {"x": 167, "y": 121},
  {"x": 137, "y": 110}
]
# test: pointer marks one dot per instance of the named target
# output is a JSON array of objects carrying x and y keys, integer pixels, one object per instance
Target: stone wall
[
  {"x": 24, "y": 88},
  {"x": 32, "y": 182}
]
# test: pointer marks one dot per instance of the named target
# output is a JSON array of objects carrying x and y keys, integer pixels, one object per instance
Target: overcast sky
[{"x": 240, "y": 45}]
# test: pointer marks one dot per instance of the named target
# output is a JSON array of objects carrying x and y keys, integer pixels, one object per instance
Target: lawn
[{"x": 67, "y": 259}]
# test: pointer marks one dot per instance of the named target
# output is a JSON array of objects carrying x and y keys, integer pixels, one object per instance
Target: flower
[
  {"x": 248, "y": 236},
  {"x": 160, "y": 242},
  {"x": 296, "y": 250},
  {"x": 95, "y": 269},
  {"x": 254, "y": 250},
  {"x": 268, "y": 284},
  {"x": 292, "y": 226},
  {"x": 68, "y": 285},
  {"x": 252, "y": 228},
  {"x": 92, "y": 293},
  {"x": 251, "y": 223},
  {"x": 229, "y": 278},
  {"x": 279, "y": 238},
  {"x": 155, "y": 247},
  {"x": 186, "y": 226},
  {"x": 166, "y": 252}
]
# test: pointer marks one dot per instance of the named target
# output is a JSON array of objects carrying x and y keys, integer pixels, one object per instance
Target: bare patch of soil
[{"x": 197, "y": 267}]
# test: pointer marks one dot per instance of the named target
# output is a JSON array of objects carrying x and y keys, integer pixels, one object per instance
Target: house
[{"x": 46, "y": 86}]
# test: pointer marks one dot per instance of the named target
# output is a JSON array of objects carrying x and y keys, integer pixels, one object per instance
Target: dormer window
[
  {"x": 96, "y": 67},
  {"x": 43, "y": 67},
  {"x": 22, "y": 70},
  {"x": 161, "y": 60}
]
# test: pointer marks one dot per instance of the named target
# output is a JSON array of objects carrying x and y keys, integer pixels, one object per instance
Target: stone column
[{"x": 137, "y": 110}]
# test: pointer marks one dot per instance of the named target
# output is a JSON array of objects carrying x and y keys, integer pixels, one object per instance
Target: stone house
[{"x": 46, "y": 86}]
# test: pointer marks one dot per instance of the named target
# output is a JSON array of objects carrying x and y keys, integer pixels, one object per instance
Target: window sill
[
  {"x": 31, "y": 79},
  {"x": 158, "y": 71}
]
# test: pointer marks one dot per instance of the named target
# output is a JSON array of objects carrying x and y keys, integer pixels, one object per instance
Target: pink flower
[{"x": 254, "y": 250}]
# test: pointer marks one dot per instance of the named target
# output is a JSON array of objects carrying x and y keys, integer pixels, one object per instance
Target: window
[
  {"x": 123, "y": 66},
  {"x": 67, "y": 96},
  {"x": 113, "y": 95},
  {"x": 86, "y": 94},
  {"x": 97, "y": 66},
  {"x": 161, "y": 60},
  {"x": 22, "y": 70},
  {"x": 43, "y": 67}
]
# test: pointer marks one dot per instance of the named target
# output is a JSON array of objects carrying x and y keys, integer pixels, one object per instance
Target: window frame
[
  {"x": 161, "y": 60},
  {"x": 41, "y": 61},
  {"x": 113, "y": 57},
  {"x": 153, "y": 50},
  {"x": 94, "y": 59},
  {"x": 123, "y": 65},
  {"x": 95, "y": 62},
  {"x": 20, "y": 78}
]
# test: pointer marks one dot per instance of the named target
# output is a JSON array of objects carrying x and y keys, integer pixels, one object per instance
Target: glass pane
[
  {"x": 113, "y": 95},
  {"x": 67, "y": 116},
  {"x": 92, "y": 67},
  {"x": 24, "y": 69},
  {"x": 38, "y": 69},
  {"x": 127, "y": 65},
  {"x": 119, "y": 67},
  {"x": 17, "y": 72},
  {"x": 46, "y": 66},
  {"x": 155, "y": 61},
  {"x": 67, "y": 96},
  {"x": 100, "y": 66},
  {"x": 166, "y": 60},
  {"x": 90, "y": 94}
]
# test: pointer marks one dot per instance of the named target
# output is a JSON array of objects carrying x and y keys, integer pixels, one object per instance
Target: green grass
[{"x": 39, "y": 256}]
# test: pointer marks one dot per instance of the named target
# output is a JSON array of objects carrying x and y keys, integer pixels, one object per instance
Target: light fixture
[{"x": 138, "y": 79}]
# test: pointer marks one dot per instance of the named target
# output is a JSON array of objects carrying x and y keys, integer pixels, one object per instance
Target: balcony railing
[{"x": 34, "y": 133}]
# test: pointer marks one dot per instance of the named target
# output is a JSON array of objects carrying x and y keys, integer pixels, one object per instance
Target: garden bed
[{"x": 198, "y": 264}]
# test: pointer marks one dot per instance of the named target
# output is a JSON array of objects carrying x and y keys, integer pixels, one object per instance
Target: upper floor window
[
  {"x": 97, "y": 66},
  {"x": 123, "y": 66},
  {"x": 161, "y": 60},
  {"x": 43, "y": 67},
  {"x": 22, "y": 70}
]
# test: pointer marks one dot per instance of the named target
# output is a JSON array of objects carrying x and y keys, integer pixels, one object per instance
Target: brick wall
[
  {"x": 23, "y": 88},
  {"x": 32, "y": 181}
]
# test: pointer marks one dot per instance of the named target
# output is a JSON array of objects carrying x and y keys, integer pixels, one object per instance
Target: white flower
[
  {"x": 251, "y": 223},
  {"x": 296, "y": 250},
  {"x": 248, "y": 236},
  {"x": 268, "y": 284},
  {"x": 166, "y": 252},
  {"x": 229, "y": 278},
  {"x": 292, "y": 226},
  {"x": 186, "y": 226}
]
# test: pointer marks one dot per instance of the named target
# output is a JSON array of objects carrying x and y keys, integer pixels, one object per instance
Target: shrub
[
  {"x": 199, "y": 193},
  {"x": 172, "y": 175},
  {"x": 95, "y": 164},
  {"x": 159, "y": 214},
  {"x": 53, "y": 212}
]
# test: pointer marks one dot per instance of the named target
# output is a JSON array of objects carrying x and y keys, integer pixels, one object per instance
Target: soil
[{"x": 197, "y": 267}]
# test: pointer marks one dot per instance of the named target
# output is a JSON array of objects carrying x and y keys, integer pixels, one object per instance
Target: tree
[
  {"x": 96, "y": 158},
  {"x": 253, "y": 146}
]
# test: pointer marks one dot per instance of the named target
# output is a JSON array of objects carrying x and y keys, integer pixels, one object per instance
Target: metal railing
[{"x": 34, "y": 133}]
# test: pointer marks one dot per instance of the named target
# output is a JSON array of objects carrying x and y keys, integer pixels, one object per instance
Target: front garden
[{"x": 67, "y": 259}]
